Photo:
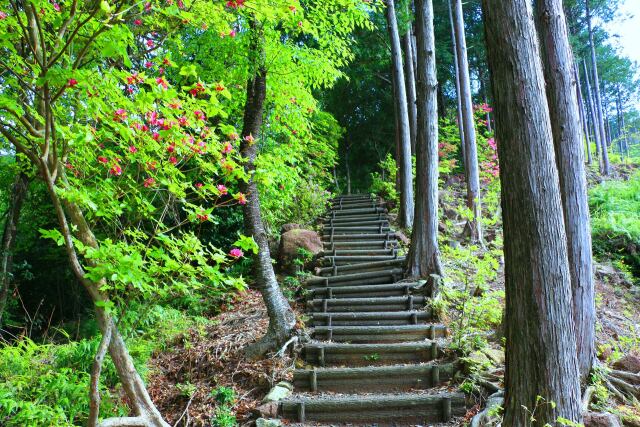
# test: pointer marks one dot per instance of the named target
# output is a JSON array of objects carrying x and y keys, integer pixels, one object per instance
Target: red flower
[
  {"x": 162, "y": 82},
  {"x": 241, "y": 198},
  {"x": 236, "y": 253},
  {"x": 148, "y": 64},
  {"x": 199, "y": 115},
  {"x": 173, "y": 160},
  {"x": 149, "y": 182},
  {"x": 56, "y": 6},
  {"x": 167, "y": 62},
  {"x": 250, "y": 139},
  {"x": 183, "y": 121},
  {"x": 292, "y": 9},
  {"x": 115, "y": 170},
  {"x": 133, "y": 149},
  {"x": 202, "y": 217},
  {"x": 233, "y": 136},
  {"x": 199, "y": 185},
  {"x": 3, "y": 15},
  {"x": 137, "y": 22},
  {"x": 222, "y": 189},
  {"x": 155, "y": 136},
  {"x": 72, "y": 82},
  {"x": 149, "y": 43},
  {"x": 232, "y": 33},
  {"x": 219, "y": 87},
  {"x": 171, "y": 148},
  {"x": 226, "y": 148},
  {"x": 119, "y": 115}
]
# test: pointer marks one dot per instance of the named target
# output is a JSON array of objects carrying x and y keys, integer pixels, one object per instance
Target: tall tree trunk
[
  {"x": 474, "y": 226},
  {"x": 410, "y": 83},
  {"x": 597, "y": 96},
  {"x": 567, "y": 139},
  {"x": 347, "y": 167},
  {"x": 593, "y": 114},
  {"x": 456, "y": 68},
  {"x": 541, "y": 355},
  {"x": 583, "y": 114},
  {"x": 622, "y": 126},
  {"x": 404, "y": 166},
  {"x": 424, "y": 256},
  {"x": 9, "y": 234},
  {"x": 281, "y": 318}
]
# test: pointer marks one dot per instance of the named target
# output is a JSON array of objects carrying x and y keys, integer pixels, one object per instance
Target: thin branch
[
  {"x": 25, "y": 32},
  {"x": 73, "y": 34},
  {"x": 65, "y": 26},
  {"x": 94, "y": 407}
]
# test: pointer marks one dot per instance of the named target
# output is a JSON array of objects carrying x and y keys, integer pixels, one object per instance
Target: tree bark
[
  {"x": 404, "y": 166},
  {"x": 456, "y": 68},
  {"x": 593, "y": 114},
  {"x": 424, "y": 255},
  {"x": 541, "y": 355},
  {"x": 597, "y": 96},
  {"x": 567, "y": 139},
  {"x": 281, "y": 317},
  {"x": 583, "y": 114},
  {"x": 472, "y": 175},
  {"x": 411, "y": 88},
  {"x": 19, "y": 191}
]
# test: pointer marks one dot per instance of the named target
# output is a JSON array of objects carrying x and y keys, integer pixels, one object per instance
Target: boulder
[
  {"x": 267, "y": 410},
  {"x": 263, "y": 422},
  {"x": 601, "y": 419},
  {"x": 629, "y": 363},
  {"x": 296, "y": 239},
  {"x": 280, "y": 391},
  {"x": 289, "y": 227}
]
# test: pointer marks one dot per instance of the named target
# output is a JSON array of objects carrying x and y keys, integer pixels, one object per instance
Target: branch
[
  {"x": 125, "y": 422},
  {"x": 74, "y": 34},
  {"x": 94, "y": 407},
  {"x": 19, "y": 146},
  {"x": 25, "y": 32},
  {"x": 63, "y": 28}
]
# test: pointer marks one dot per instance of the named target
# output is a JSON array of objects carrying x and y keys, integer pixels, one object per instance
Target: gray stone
[
  {"x": 280, "y": 391},
  {"x": 263, "y": 422},
  {"x": 296, "y": 239},
  {"x": 604, "y": 419}
]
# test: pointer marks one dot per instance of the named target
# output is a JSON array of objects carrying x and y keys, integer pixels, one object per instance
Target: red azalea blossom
[
  {"x": 171, "y": 148},
  {"x": 219, "y": 87},
  {"x": 199, "y": 115},
  {"x": 241, "y": 198},
  {"x": 134, "y": 79},
  {"x": 232, "y": 33},
  {"x": 149, "y": 182},
  {"x": 226, "y": 148},
  {"x": 183, "y": 121},
  {"x": 56, "y": 6},
  {"x": 162, "y": 82},
  {"x": 119, "y": 115},
  {"x": 292, "y": 8},
  {"x": 103, "y": 159},
  {"x": 137, "y": 22},
  {"x": 116, "y": 170},
  {"x": 222, "y": 189},
  {"x": 147, "y": 7},
  {"x": 72, "y": 82},
  {"x": 199, "y": 185},
  {"x": 173, "y": 160},
  {"x": 175, "y": 105},
  {"x": 152, "y": 165},
  {"x": 167, "y": 62},
  {"x": 149, "y": 43},
  {"x": 133, "y": 149},
  {"x": 250, "y": 139},
  {"x": 236, "y": 253},
  {"x": 3, "y": 15},
  {"x": 148, "y": 64},
  {"x": 202, "y": 217},
  {"x": 156, "y": 136}
]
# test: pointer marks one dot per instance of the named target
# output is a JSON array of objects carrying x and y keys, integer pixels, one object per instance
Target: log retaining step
[
  {"x": 342, "y": 305},
  {"x": 331, "y": 354},
  {"x": 377, "y": 318},
  {"x": 378, "y": 334},
  {"x": 367, "y": 291}
]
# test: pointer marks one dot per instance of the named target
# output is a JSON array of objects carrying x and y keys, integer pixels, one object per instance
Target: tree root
[{"x": 625, "y": 386}]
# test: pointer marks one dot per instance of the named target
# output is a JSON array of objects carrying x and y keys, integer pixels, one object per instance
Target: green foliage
[
  {"x": 383, "y": 183},
  {"x": 225, "y": 398}
]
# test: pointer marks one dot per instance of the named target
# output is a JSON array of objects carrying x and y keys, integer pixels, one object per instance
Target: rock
[
  {"x": 604, "y": 419},
  {"x": 496, "y": 356},
  {"x": 263, "y": 422},
  {"x": 292, "y": 241},
  {"x": 477, "y": 360},
  {"x": 267, "y": 410},
  {"x": 289, "y": 227},
  {"x": 451, "y": 214},
  {"x": 281, "y": 390},
  {"x": 404, "y": 239},
  {"x": 629, "y": 363}
]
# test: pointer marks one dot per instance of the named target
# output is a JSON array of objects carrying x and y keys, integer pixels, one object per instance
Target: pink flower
[
  {"x": 149, "y": 43},
  {"x": 56, "y": 6},
  {"x": 236, "y": 253},
  {"x": 199, "y": 185},
  {"x": 232, "y": 33},
  {"x": 72, "y": 82},
  {"x": 183, "y": 121},
  {"x": 226, "y": 148},
  {"x": 133, "y": 149},
  {"x": 3, "y": 15},
  {"x": 148, "y": 64},
  {"x": 116, "y": 170},
  {"x": 250, "y": 139},
  {"x": 147, "y": 7},
  {"x": 222, "y": 189},
  {"x": 202, "y": 217},
  {"x": 199, "y": 115},
  {"x": 173, "y": 160},
  {"x": 149, "y": 182},
  {"x": 103, "y": 159},
  {"x": 162, "y": 82},
  {"x": 119, "y": 115},
  {"x": 137, "y": 22},
  {"x": 241, "y": 198},
  {"x": 155, "y": 136},
  {"x": 233, "y": 136}
]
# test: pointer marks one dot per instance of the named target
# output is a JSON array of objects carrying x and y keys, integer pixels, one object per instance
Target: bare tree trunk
[
  {"x": 474, "y": 226},
  {"x": 621, "y": 123},
  {"x": 541, "y": 358},
  {"x": 456, "y": 68},
  {"x": 17, "y": 197},
  {"x": 424, "y": 255},
  {"x": 281, "y": 318},
  {"x": 583, "y": 114},
  {"x": 404, "y": 166},
  {"x": 594, "y": 116},
  {"x": 410, "y": 78},
  {"x": 567, "y": 138},
  {"x": 598, "y": 98},
  {"x": 347, "y": 167}
]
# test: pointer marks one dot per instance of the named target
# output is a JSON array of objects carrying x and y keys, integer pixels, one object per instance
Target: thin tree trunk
[
  {"x": 281, "y": 318},
  {"x": 541, "y": 360},
  {"x": 347, "y": 167},
  {"x": 583, "y": 114},
  {"x": 424, "y": 256},
  {"x": 456, "y": 68},
  {"x": 598, "y": 98},
  {"x": 593, "y": 115},
  {"x": 404, "y": 166},
  {"x": 623, "y": 129},
  {"x": 567, "y": 138},
  {"x": 411, "y": 88},
  {"x": 17, "y": 197},
  {"x": 474, "y": 226}
]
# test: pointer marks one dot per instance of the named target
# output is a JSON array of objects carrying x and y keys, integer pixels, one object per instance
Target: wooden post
[{"x": 446, "y": 409}]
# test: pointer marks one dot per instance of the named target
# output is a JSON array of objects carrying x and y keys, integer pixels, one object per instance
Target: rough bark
[
  {"x": 456, "y": 68},
  {"x": 583, "y": 115},
  {"x": 540, "y": 343},
  {"x": 404, "y": 166},
  {"x": 472, "y": 175},
  {"x": 9, "y": 234},
  {"x": 411, "y": 88},
  {"x": 567, "y": 139},
  {"x": 597, "y": 96},
  {"x": 281, "y": 318},
  {"x": 424, "y": 257},
  {"x": 593, "y": 115}
]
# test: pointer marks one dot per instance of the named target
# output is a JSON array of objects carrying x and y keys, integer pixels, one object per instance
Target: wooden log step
[
  {"x": 378, "y": 318},
  {"x": 362, "y": 266},
  {"x": 384, "y": 290},
  {"x": 343, "y": 305},
  {"x": 346, "y": 260},
  {"x": 373, "y": 378},
  {"x": 326, "y": 231},
  {"x": 356, "y": 252},
  {"x": 359, "y": 237},
  {"x": 331, "y": 354},
  {"x": 391, "y": 409},
  {"x": 378, "y": 334},
  {"x": 362, "y": 222},
  {"x": 356, "y": 211},
  {"x": 354, "y": 218},
  {"x": 391, "y": 275},
  {"x": 351, "y": 197},
  {"x": 349, "y": 206},
  {"x": 360, "y": 244}
]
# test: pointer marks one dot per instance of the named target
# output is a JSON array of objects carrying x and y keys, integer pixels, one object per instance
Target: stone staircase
[{"x": 376, "y": 355}]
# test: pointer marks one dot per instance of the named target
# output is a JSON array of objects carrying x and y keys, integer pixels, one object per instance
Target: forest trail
[{"x": 375, "y": 357}]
